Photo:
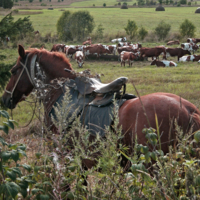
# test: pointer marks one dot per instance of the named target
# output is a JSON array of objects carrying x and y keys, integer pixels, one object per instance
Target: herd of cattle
[{"x": 129, "y": 52}]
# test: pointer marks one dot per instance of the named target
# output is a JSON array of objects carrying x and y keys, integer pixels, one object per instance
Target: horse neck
[{"x": 54, "y": 70}]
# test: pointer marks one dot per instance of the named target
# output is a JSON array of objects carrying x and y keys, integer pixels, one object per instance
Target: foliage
[
  {"x": 124, "y": 6},
  {"x": 15, "y": 29},
  {"x": 131, "y": 29},
  {"x": 162, "y": 30},
  {"x": 75, "y": 25},
  {"x": 187, "y": 28},
  {"x": 99, "y": 31},
  {"x": 189, "y": 3},
  {"x": 30, "y": 1},
  {"x": 104, "y": 5},
  {"x": 183, "y": 1},
  {"x": 6, "y": 3},
  {"x": 142, "y": 33},
  {"x": 141, "y": 2}
]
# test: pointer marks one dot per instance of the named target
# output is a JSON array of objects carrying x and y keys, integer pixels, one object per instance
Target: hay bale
[
  {"x": 124, "y": 6},
  {"x": 197, "y": 10},
  {"x": 160, "y": 8}
]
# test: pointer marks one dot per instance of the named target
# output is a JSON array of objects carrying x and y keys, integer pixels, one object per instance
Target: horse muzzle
[{"x": 8, "y": 102}]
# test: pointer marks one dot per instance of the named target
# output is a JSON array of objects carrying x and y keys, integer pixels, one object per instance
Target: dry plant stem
[{"x": 141, "y": 103}]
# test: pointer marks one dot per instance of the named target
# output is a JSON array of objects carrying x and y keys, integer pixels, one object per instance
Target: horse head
[{"x": 29, "y": 64}]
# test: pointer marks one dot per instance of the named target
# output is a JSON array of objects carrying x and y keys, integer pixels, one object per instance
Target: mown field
[{"x": 115, "y": 19}]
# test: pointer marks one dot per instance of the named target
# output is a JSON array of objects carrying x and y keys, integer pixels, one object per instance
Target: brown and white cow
[
  {"x": 152, "y": 52},
  {"x": 136, "y": 46},
  {"x": 58, "y": 47},
  {"x": 190, "y": 58},
  {"x": 173, "y": 42},
  {"x": 193, "y": 40},
  {"x": 119, "y": 40},
  {"x": 96, "y": 49},
  {"x": 190, "y": 47},
  {"x": 127, "y": 57},
  {"x": 179, "y": 52},
  {"x": 163, "y": 63},
  {"x": 79, "y": 58},
  {"x": 88, "y": 42},
  {"x": 112, "y": 48},
  {"x": 72, "y": 49},
  {"x": 122, "y": 44}
]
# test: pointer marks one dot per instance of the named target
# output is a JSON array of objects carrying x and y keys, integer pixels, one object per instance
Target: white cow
[
  {"x": 119, "y": 40},
  {"x": 186, "y": 58},
  {"x": 79, "y": 58}
]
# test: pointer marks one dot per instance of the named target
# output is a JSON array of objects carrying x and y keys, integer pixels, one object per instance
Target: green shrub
[
  {"x": 187, "y": 28},
  {"x": 189, "y": 3},
  {"x": 178, "y": 4},
  {"x": 183, "y": 2},
  {"x": 142, "y": 33},
  {"x": 43, "y": 4},
  {"x": 74, "y": 25},
  {"x": 162, "y": 30},
  {"x": 104, "y": 5},
  {"x": 131, "y": 29},
  {"x": 99, "y": 31}
]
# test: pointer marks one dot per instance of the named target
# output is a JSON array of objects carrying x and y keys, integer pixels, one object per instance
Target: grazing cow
[
  {"x": 58, "y": 47},
  {"x": 136, "y": 46},
  {"x": 189, "y": 46},
  {"x": 72, "y": 49},
  {"x": 126, "y": 48},
  {"x": 121, "y": 44},
  {"x": 193, "y": 40},
  {"x": 79, "y": 58},
  {"x": 119, "y": 40},
  {"x": 164, "y": 63},
  {"x": 173, "y": 42},
  {"x": 127, "y": 57},
  {"x": 88, "y": 41},
  {"x": 179, "y": 52},
  {"x": 152, "y": 52},
  {"x": 96, "y": 49},
  {"x": 112, "y": 48}
]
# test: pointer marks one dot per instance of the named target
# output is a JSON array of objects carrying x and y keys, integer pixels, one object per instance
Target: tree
[
  {"x": 131, "y": 29},
  {"x": 187, "y": 28},
  {"x": 183, "y": 1},
  {"x": 15, "y": 29},
  {"x": 82, "y": 24},
  {"x": 6, "y": 3},
  {"x": 142, "y": 33},
  {"x": 63, "y": 26},
  {"x": 141, "y": 2},
  {"x": 104, "y": 5},
  {"x": 75, "y": 25},
  {"x": 162, "y": 30}
]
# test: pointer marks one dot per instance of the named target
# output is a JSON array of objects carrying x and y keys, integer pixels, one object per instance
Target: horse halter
[{"x": 30, "y": 75}]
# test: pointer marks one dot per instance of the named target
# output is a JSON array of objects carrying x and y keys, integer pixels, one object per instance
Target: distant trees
[
  {"x": 6, "y": 3},
  {"x": 75, "y": 25}
]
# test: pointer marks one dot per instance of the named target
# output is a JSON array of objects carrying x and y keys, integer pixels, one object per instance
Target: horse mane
[{"x": 58, "y": 57}]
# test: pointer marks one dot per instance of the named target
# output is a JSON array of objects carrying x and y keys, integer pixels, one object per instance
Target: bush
[
  {"x": 178, "y": 4},
  {"x": 187, "y": 28},
  {"x": 74, "y": 25},
  {"x": 142, "y": 33},
  {"x": 104, "y": 5},
  {"x": 119, "y": 4},
  {"x": 162, "y": 30},
  {"x": 183, "y": 2},
  {"x": 43, "y": 4},
  {"x": 99, "y": 31},
  {"x": 131, "y": 29},
  {"x": 93, "y": 4},
  {"x": 189, "y": 3}
]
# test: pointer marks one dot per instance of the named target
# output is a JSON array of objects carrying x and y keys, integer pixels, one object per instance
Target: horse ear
[{"x": 21, "y": 51}]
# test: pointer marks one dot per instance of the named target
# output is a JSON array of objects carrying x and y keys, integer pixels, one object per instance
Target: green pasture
[{"x": 115, "y": 19}]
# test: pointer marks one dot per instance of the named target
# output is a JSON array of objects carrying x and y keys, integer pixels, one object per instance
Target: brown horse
[{"x": 134, "y": 114}]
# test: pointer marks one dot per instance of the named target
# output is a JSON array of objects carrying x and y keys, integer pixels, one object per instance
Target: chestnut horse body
[{"x": 134, "y": 115}]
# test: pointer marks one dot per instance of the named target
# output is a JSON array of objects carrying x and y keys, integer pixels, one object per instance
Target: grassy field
[
  {"x": 114, "y": 19},
  {"x": 182, "y": 80}
]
